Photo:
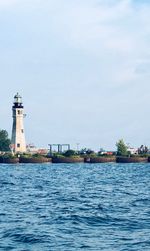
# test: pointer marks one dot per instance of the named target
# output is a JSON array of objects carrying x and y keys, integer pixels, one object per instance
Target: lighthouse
[{"x": 18, "y": 137}]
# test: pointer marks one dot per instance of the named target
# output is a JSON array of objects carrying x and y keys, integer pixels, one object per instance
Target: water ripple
[{"x": 69, "y": 207}]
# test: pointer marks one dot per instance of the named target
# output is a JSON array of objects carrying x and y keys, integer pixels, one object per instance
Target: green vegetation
[
  {"x": 26, "y": 155},
  {"x": 57, "y": 155},
  {"x": 4, "y": 141},
  {"x": 9, "y": 155},
  {"x": 33, "y": 156},
  {"x": 143, "y": 150},
  {"x": 37, "y": 155},
  {"x": 144, "y": 155},
  {"x": 70, "y": 153},
  {"x": 87, "y": 153},
  {"x": 121, "y": 148}
]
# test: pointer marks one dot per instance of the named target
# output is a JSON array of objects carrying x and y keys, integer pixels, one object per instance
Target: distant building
[
  {"x": 132, "y": 150},
  {"x": 32, "y": 149},
  {"x": 43, "y": 151},
  {"x": 107, "y": 153},
  {"x": 18, "y": 143}
]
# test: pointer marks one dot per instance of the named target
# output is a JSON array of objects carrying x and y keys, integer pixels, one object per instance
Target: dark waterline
[{"x": 69, "y": 207}]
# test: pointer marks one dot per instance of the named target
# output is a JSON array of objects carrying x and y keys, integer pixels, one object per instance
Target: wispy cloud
[
  {"x": 92, "y": 54},
  {"x": 116, "y": 30},
  {"x": 96, "y": 27}
]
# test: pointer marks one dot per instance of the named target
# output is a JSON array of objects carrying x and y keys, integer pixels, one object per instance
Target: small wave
[
  {"x": 91, "y": 220},
  {"x": 97, "y": 207},
  {"x": 7, "y": 248},
  {"x": 5, "y": 183},
  {"x": 141, "y": 201},
  {"x": 141, "y": 243},
  {"x": 23, "y": 238}
]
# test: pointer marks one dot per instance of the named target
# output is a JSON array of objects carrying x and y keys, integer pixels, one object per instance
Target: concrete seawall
[
  {"x": 131, "y": 159},
  {"x": 35, "y": 160},
  {"x": 67, "y": 160},
  {"x": 102, "y": 159},
  {"x": 119, "y": 159}
]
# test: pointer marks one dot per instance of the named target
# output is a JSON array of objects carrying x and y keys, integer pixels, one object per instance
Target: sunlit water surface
[{"x": 75, "y": 207}]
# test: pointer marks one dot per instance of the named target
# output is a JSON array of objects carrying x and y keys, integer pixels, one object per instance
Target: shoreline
[{"x": 74, "y": 159}]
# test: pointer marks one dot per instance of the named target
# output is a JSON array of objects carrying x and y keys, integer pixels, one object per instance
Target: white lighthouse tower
[{"x": 18, "y": 137}]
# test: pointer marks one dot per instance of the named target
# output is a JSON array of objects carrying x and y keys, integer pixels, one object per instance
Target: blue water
[{"x": 69, "y": 207}]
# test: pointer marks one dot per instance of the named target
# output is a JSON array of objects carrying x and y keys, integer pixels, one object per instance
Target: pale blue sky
[{"x": 82, "y": 67}]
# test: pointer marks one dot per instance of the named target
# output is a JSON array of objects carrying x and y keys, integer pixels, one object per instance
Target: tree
[
  {"x": 4, "y": 141},
  {"x": 70, "y": 153},
  {"x": 122, "y": 149},
  {"x": 89, "y": 152},
  {"x": 142, "y": 149},
  {"x": 86, "y": 151}
]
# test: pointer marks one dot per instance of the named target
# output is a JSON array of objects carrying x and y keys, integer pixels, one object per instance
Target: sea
[{"x": 71, "y": 207}]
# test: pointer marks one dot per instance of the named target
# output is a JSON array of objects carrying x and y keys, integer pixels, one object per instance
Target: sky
[{"x": 82, "y": 68}]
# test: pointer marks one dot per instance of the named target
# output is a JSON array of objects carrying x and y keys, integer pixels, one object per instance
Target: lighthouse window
[
  {"x": 22, "y": 131},
  {"x": 18, "y": 145},
  {"x": 19, "y": 112}
]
